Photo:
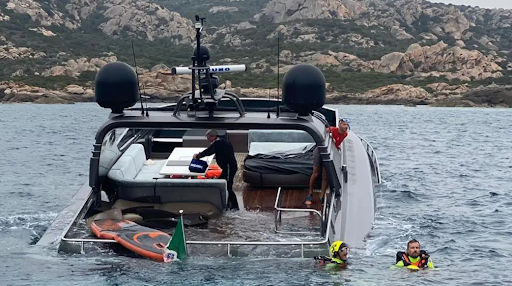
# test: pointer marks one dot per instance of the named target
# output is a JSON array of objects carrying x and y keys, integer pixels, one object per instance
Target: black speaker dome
[
  {"x": 304, "y": 89},
  {"x": 116, "y": 86}
]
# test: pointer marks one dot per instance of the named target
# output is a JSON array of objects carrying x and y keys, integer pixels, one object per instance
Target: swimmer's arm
[
  {"x": 399, "y": 264},
  {"x": 430, "y": 263}
]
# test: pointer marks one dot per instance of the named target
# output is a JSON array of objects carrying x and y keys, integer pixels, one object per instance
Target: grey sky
[{"x": 481, "y": 3}]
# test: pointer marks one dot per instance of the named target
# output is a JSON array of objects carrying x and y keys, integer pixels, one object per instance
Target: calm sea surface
[{"x": 447, "y": 182}]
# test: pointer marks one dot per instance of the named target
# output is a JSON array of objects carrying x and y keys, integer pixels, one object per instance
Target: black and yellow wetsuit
[{"x": 332, "y": 262}]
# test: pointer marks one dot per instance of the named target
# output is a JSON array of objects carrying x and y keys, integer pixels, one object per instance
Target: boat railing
[
  {"x": 278, "y": 215},
  {"x": 324, "y": 241},
  {"x": 373, "y": 157},
  {"x": 327, "y": 229}
]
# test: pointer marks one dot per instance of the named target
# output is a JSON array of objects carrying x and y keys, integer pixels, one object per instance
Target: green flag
[{"x": 176, "y": 248}]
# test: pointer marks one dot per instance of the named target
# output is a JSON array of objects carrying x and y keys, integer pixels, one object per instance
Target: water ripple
[{"x": 446, "y": 182}]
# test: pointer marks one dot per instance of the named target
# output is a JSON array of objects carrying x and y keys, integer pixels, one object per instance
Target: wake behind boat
[{"x": 139, "y": 170}]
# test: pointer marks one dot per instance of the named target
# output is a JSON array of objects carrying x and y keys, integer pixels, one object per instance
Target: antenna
[
  {"x": 204, "y": 74},
  {"x": 138, "y": 85},
  {"x": 146, "y": 98},
  {"x": 278, "y": 96},
  {"x": 268, "y": 114},
  {"x": 197, "y": 60}
]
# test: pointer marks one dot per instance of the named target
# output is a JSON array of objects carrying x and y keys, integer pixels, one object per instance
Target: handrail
[
  {"x": 279, "y": 210},
  {"x": 84, "y": 240},
  {"x": 373, "y": 157},
  {"x": 229, "y": 95},
  {"x": 88, "y": 240}
]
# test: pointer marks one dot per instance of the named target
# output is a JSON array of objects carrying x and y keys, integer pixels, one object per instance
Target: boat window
[
  {"x": 111, "y": 147},
  {"x": 109, "y": 151},
  {"x": 126, "y": 135}
]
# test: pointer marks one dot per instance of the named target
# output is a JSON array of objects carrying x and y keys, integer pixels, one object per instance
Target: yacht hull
[
  {"x": 60, "y": 226},
  {"x": 358, "y": 198}
]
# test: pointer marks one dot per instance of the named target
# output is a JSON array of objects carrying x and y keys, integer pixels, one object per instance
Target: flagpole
[{"x": 184, "y": 238}]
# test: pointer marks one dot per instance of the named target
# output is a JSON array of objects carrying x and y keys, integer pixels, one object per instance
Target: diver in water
[
  {"x": 414, "y": 256},
  {"x": 339, "y": 251}
]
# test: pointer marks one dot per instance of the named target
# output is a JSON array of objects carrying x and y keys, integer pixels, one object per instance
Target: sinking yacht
[{"x": 139, "y": 166}]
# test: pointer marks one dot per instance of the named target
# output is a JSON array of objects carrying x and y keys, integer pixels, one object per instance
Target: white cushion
[
  {"x": 136, "y": 152},
  {"x": 151, "y": 171},
  {"x": 124, "y": 168}
]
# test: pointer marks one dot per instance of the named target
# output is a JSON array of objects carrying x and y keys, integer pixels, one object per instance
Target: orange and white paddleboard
[{"x": 142, "y": 240}]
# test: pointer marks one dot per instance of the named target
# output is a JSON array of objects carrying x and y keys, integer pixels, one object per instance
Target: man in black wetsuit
[{"x": 226, "y": 160}]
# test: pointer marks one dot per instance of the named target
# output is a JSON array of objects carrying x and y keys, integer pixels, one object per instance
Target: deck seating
[
  {"x": 136, "y": 179},
  {"x": 265, "y": 141}
]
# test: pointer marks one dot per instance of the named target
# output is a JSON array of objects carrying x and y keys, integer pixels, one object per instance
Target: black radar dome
[
  {"x": 205, "y": 53},
  {"x": 304, "y": 89},
  {"x": 116, "y": 86}
]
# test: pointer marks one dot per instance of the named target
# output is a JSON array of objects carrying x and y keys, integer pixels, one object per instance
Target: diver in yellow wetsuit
[
  {"x": 414, "y": 258},
  {"x": 339, "y": 251}
]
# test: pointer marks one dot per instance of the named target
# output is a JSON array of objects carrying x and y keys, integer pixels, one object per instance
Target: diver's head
[
  {"x": 343, "y": 124},
  {"x": 339, "y": 250},
  {"x": 413, "y": 248},
  {"x": 211, "y": 135}
]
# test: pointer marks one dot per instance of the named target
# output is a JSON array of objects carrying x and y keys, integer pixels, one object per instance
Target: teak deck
[{"x": 263, "y": 199}]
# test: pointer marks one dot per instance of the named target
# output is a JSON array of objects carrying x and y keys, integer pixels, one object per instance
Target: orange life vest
[
  {"x": 213, "y": 172},
  {"x": 421, "y": 263}
]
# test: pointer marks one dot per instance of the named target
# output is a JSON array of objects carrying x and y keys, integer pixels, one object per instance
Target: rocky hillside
[{"x": 362, "y": 45}]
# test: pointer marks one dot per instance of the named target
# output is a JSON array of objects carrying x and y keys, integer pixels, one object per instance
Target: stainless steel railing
[
  {"x": 323, "y": 241},
  {"x": 279, "y": 210},
  {"x": 373, "y": 157}
]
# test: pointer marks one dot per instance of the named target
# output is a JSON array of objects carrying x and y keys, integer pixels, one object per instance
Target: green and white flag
[{"x": 176, "y": 249}]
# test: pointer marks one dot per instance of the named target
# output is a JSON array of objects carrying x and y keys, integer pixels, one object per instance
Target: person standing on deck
[
  {"x": 225, "y": 156},
  {"x": 338, "y": 134}
]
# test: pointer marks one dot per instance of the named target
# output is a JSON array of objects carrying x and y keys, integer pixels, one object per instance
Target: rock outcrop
[
  {"x": 440, "y": 19},
  {"x": 148, "y": 18},
  {"x": 138, "y": 17},
  {"x": 161, "y": 86},
  {"x": 9, "y": 51},
  {"x": 217, "y": 9},
  {"x": 11, "y": 92},
  {"x": 74, "y": 68},
  {"x": 41, "y": 12},
  {"x": 439, "y": 60},
  {"x": 228, "y": 36},
  {"x": 397, "y": 94},
  {"x": 400, "y": 33},
  {"x": 278, "y": 11},
  {"x": 43, "y": 31},
  {"x": 411, "y": 39},
  {"x": 417, "y": 62},
  {"x": 4, "y": 17}
]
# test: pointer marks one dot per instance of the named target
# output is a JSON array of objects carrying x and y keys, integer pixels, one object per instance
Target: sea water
[{"x": 446, "y": 182}]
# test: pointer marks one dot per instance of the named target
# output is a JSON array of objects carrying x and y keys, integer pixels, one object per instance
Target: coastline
[{"x": 491, "y": 96}]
